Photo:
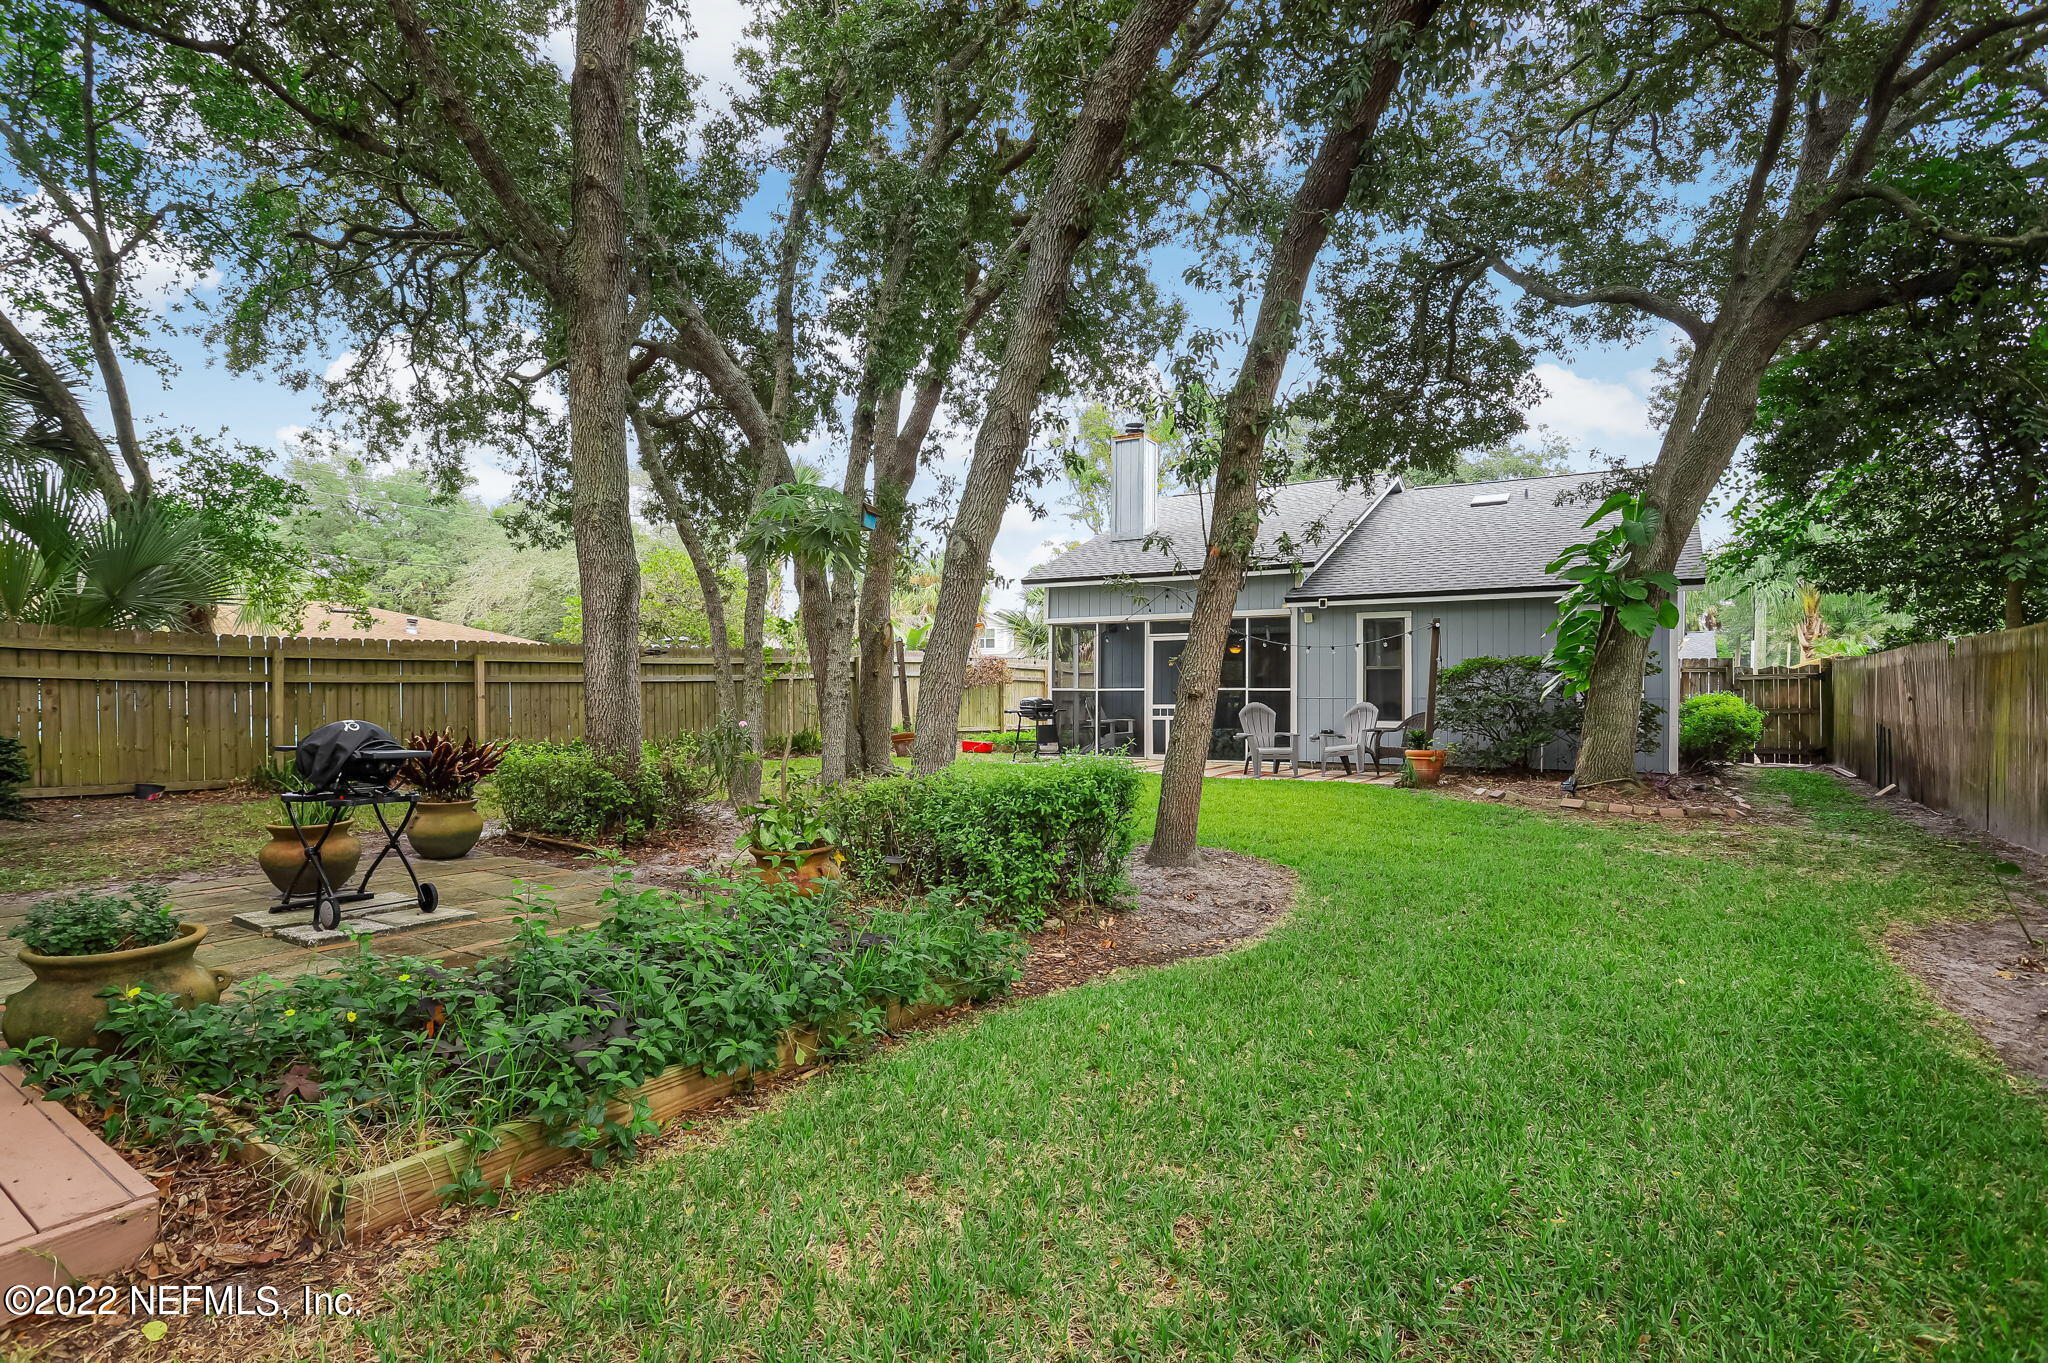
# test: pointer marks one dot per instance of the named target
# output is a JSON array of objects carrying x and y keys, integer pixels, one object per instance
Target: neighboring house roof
[
  {"x": 1304, "y": 520},
  {"x": 334, "y": 622},
  {"x": 1433, "y": 541},
  {"x": 1419, "y": 541}
]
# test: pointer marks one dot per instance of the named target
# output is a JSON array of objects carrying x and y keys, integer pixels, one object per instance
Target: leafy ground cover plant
[
  {"x": 388, "y": 1055},
  {"x": 564, "y": 790},
  {"x": 1028, "y": 836},
  {"x": 91, "y": 922},
  {"x": 450, "y": 770},
  {"x": 1719, "y": 726}
]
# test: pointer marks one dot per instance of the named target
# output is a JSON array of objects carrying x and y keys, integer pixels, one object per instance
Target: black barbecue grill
[
  {"x": 344, "y": 766},
  {"x": 1036, "y": 711}
]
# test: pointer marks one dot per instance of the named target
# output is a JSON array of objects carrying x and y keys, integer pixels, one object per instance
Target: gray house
[{"x": 1336, "y": 609}]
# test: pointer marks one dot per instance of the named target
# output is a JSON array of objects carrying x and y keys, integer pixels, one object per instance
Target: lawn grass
[
  {"x": 1510, "y": 1085},
  {"x": 154, "y": 841}
]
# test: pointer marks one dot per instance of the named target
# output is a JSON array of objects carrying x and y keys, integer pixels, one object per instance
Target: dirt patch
[
  {"x": 1684, "y": 790},
  {"x": 1992, "y": 976},
  {"x": 704, "y": 842},
  {"x": 221, "y": 1222},
  {"x": 1222, "y": 901},
  {"x": 65, "y": 813}
]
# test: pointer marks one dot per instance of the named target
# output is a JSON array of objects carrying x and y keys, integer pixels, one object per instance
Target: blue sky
[{"x": 1595, "y": 399}]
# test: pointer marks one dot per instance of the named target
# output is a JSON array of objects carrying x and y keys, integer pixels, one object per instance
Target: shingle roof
[
  {"x": 334, "y": 622},
  {"x": 1303, "y": 522},
  {"x": 1434, "y": 541}
]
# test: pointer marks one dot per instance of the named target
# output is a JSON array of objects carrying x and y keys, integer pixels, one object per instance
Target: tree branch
[
  {"x": 1642, "y": 300},
  {"x": 1927, "y": 223}
]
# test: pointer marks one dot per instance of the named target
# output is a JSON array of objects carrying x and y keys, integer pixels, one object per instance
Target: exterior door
[{"x": 1165, "y": 687}]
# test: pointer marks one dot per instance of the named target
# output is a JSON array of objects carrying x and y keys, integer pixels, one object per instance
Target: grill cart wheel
[{"x": 430, "y": 898}]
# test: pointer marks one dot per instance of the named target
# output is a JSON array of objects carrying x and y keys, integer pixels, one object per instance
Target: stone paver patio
[{"x": 482, "y": 883}]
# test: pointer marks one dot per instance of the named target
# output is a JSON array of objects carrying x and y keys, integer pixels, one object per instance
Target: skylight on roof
[{"x": 1490, "y": 499}]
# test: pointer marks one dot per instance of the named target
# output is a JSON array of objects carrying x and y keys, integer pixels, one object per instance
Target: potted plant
[
  {"x": 1425, "y": 764},
  {"x": 791, "y": 841},
  {"x": 284, "y": 857},
  {"x": 84, "y": 946},
  {"x": 446, "y": 824}
]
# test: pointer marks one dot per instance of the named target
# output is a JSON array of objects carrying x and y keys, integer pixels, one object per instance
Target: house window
[
  {"x": 1383, "y": 663},
  {"x": 988, "y": 643},
  {"x": 1256, "y": 667}
]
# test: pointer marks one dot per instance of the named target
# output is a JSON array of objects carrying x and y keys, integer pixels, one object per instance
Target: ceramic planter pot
[
  {"x": 1426, "y": 763},
  {"x": 801, "y": 869},
  {"x": 442, "y": 830},
  {"x": 284, "y": 860},
  {"x": 65, "y": 1002},
  {"x": 900, "y": 743}
]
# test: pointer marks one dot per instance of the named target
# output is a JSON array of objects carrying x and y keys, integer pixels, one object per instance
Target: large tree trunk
[
  {"x": 1234, "y": 521},
  {"x": 1715, "y": 407},
  {"x": 1062, "y": 219},
  {"x": 607, "y": 568}
]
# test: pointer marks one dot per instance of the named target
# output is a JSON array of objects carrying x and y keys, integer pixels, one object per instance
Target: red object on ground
[{"x": 972, "y": 745}]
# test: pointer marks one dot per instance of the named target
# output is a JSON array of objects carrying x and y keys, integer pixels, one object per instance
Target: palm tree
[{"x": 65, "y": 559}]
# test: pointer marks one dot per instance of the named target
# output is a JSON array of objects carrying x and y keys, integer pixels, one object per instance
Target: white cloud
[{"x": 1582, "y": 409}]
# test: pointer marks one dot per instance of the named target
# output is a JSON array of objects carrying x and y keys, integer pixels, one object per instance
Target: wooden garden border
[{"x": 356, "y": 1206}]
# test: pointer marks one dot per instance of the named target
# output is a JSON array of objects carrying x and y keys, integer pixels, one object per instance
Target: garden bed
[{"x": 356, "y": 1206}]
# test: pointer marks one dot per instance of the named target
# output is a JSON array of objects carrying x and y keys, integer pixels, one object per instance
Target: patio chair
[
  {"x": 1262, "y": 744},
  {"x": 1393, "y": 750},
  {"x": 1356, "y": 730}
]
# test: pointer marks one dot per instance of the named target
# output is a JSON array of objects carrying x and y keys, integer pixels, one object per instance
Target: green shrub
[
  {"x": 274, "y": 777},
  {"x": 802, "y": 743},
  {"x": 565, "y": 790},
  {"x": 90, "y": 922},
  {"x": 368, "y": 1062},
  {"x": 1719, "y": 726},
  {"x": 15, "y": 773},
  {"x": 1502, "y": 716},
  {"x": 1026, "y": 835}
]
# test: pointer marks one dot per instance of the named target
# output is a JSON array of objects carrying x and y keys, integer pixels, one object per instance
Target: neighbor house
[{"x": 1337, "y": 607}]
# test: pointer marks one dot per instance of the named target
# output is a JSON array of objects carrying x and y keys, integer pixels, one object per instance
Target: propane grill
[{"x": 342, "y": 767}]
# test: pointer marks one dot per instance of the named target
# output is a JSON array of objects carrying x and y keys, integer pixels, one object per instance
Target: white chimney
[{"x": 1133, "y": 482}]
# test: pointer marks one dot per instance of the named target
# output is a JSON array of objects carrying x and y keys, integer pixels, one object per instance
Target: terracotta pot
[
  {"x": 801, "y": 869},
  {"x": 1426, "y": 763},
  {"x": 64, "y": 1000},
  {"x": 284, "y": 860},
  {"x": 900, "y": 743},
  {"x": 442, "y": 830}
]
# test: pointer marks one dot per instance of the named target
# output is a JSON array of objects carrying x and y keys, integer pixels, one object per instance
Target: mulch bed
[
  {"x": 67, "y": 813},
  {"x": 221, "y": 1229},
  {"x": 1695, "y": 795}
]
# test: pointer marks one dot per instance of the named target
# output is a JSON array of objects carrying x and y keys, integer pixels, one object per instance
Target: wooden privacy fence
[
  {"x": 1961, "y": 726},
  {"x": 1793, "y": 699},
  {"x": 101, "y": 710}
]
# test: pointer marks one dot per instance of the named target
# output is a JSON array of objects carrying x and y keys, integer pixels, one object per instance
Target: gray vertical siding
[
  {"x": 1328, "y": 677},
  {"x": 1123, "y": 601}
]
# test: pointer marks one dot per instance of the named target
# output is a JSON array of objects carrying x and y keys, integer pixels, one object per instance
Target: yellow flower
[
  {"x": 137, "y": 989},
  {"x": 403, "y": 978},
  {"x": 291, "y": 1012},
  {"x": 351, "y": 1017}
]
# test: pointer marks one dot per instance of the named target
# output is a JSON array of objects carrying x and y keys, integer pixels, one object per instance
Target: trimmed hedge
[
  {"x": 1719, "y": 726},
  {"x": 564, "y": 790},
  {"x": 1027, "y": 836}
]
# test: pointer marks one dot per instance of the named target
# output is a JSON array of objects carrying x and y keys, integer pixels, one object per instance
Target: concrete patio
[
  {"x": 475, "y": 920},
  {"x": 1233, "y": 769}
]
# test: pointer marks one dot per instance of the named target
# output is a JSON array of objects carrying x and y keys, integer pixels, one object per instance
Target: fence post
[
  {"x": 277, "y": 727},
  {"x": 481, "y": 695}
]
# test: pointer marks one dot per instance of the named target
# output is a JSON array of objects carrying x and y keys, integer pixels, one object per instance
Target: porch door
[{"x": 1165, "y": 687}]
